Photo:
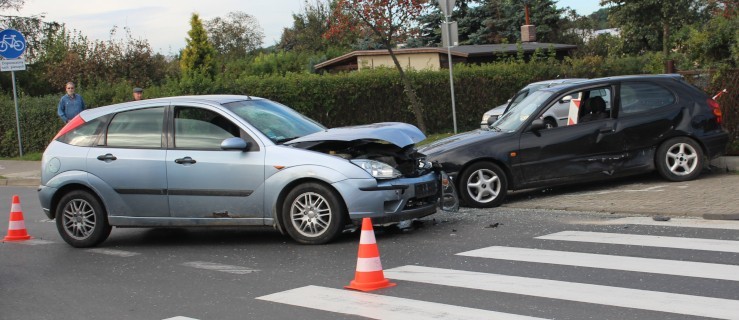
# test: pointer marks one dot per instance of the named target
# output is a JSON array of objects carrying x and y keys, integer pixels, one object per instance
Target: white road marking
[
  {"x": 677, "y": 222},
  {"x": 180, "y": 318},
  {"x": 113, "y": 252},
  {"x": 219, "y": 267},
  {"x": 375, "y": 306},
  {"x": 588, "y": 293},
  {"x": 602, "y": 261},
  {"x": 646, "y": 241}
]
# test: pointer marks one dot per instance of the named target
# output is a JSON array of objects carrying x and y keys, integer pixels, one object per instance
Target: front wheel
[
  {"x": 483, "y": 185},
  {"x": 679, "y": 159},
  {"x": 313, "y": 214},
  {"x": 81, "y": 220}
]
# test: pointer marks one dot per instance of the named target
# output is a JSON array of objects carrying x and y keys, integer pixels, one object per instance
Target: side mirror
[
  {"x": 235, "y": 143},
  {"x": 565, "y": 99},
  {"x": 492, "y": 120},
  {"x": 537, "y": 125}
]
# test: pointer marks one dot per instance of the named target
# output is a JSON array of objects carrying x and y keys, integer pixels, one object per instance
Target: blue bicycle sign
[{"x": 12, "y": 44}]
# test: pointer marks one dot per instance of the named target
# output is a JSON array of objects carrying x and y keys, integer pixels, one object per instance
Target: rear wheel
[
  {"x": 312, "y": 214},
  {"x": 483, "y": 185},
  {"x": 81, "y": 219},
  {"x": 679, "y": 159}
]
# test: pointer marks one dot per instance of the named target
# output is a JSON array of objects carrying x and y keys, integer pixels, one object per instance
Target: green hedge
[{"x": 335, "y": 100}]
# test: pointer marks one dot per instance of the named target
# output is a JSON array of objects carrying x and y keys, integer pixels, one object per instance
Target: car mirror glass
[
  {"x": 492, "y": 120},
  {"x": 234, "y": 143}
]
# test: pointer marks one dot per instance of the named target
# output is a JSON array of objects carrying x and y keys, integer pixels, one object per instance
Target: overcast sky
[{"x": 164, "y": 23}]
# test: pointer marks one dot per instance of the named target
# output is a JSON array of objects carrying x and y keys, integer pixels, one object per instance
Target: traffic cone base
[
  {"x": 368, "y": 275},
  {"x": 16, "y": 226}
]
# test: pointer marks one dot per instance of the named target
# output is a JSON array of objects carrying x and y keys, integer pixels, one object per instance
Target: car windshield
[
  {"x": 278, "y": 122},
  {"x": 513, "y": 119}
]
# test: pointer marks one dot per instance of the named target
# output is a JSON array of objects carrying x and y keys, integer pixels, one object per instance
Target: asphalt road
[{"x": 231, "y": 273}]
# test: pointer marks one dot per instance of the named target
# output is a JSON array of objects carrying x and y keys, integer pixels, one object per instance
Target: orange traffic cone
[
  {"x": 369, "y": 275},
  {"x": 16, "y": 227}
]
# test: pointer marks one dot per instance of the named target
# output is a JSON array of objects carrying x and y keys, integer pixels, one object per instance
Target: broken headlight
[{"x": 377, "y": 169}]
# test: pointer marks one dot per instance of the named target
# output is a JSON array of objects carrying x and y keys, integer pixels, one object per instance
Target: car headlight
[{"x": 377, "y": 169}]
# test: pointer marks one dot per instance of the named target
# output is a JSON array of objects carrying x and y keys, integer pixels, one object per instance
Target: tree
[
  {"x": 501, "y": 21},
  {"x": 198, "y": 55},
  {"x": 309, "y": 26},
  {"x": 12, "y": 4},
  {"x": 710, "y": 43},
  {"x": 647, "y": 25},
  {"x": 236, "y": 34},
  {"x": 389, "y": 22},
  {"x": 431, "y": 22}
]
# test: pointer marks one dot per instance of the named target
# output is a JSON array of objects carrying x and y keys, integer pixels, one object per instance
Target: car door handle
[
  {"x": 185, "y": 160},
  {"x": 606, "y": 130},
  {"x": 107, "y": 157}
]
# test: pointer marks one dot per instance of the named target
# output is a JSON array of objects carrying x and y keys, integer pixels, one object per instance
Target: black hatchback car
[{"x": 615, "y": 127}]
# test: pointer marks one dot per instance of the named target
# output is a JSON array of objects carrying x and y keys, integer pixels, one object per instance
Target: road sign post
[
  {"x": 447, "y": 6},
  {"x": 12, "y": 46}
]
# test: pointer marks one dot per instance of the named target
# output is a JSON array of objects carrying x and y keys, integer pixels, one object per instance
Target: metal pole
[
  {"x": 451, "y": 76},
  {"x": 17, "y": 121}
]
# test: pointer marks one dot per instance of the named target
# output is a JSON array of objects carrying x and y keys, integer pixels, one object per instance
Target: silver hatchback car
[{"x": 227, "y": 160}]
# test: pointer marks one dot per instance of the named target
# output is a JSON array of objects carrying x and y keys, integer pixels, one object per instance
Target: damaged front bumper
[{"x": 400, "y": 199}]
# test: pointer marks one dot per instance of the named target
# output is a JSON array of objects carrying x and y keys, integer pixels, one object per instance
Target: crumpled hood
[{"x": 397, "y": 133}]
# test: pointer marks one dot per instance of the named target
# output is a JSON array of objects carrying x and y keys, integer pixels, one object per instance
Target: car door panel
[
  {"x": 205, "y": 181},
  {"x": 204, "y": 188},
  {"x": 571, "y": 152},
  {"x": 130, "y": 159}
]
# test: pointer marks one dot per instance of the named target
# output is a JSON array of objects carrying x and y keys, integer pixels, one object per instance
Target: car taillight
[
  {"x": 716, "y": 110},
  {"x": 71, "y": 125}
]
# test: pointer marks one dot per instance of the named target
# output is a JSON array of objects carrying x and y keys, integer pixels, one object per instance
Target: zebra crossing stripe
[
  {"x": 646, "y": 241},
  {"x": 219, "y": 267},
  {"x": 580, "y": 292},
  {"x": 113, "y": 252},
  {"x": 677, "y": 222},
  {"x": 375, "y": 306},
  {"x": 602, "y": 261}
]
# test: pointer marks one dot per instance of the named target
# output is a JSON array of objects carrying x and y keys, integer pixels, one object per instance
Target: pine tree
[{"x": 199, "y": 54}]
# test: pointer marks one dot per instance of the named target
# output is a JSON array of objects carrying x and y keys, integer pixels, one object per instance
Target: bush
[{"x": 347, "y": 98}]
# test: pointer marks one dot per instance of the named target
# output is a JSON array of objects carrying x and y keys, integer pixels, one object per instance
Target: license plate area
[{"x": 425, "y": 189}]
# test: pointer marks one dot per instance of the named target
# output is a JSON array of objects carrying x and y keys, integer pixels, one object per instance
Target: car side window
[
  {"x": 642, "y": 96},
  {"x": 198, "y": 128},
  {"x": 579, "y": 107},
  {"x": 136, "y": 129},
  {"x": 86, "y": 134}
]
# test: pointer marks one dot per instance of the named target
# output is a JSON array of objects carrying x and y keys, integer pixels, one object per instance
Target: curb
[{"x": 721, "y": 216}]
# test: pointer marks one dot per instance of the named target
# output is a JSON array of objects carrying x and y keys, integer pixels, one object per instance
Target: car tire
[
  {"x": 679, "y": 159},
  {"x": 81, "y": 220},
  {"x": 312, "y": 213},
  {"x": 550, "y": 123},
  {"x": 483, "y": 185}
]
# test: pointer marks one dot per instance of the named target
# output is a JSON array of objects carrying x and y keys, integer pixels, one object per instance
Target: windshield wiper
[
  {"x": 283, "y": 140},
  {"x": 496, "y": 129}
]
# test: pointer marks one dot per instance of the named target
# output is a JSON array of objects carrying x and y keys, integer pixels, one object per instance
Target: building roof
[{"x": 458, "y": 51}]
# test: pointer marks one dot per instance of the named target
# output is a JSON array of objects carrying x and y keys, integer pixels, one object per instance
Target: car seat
[{"x": 596, "y": 108}]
